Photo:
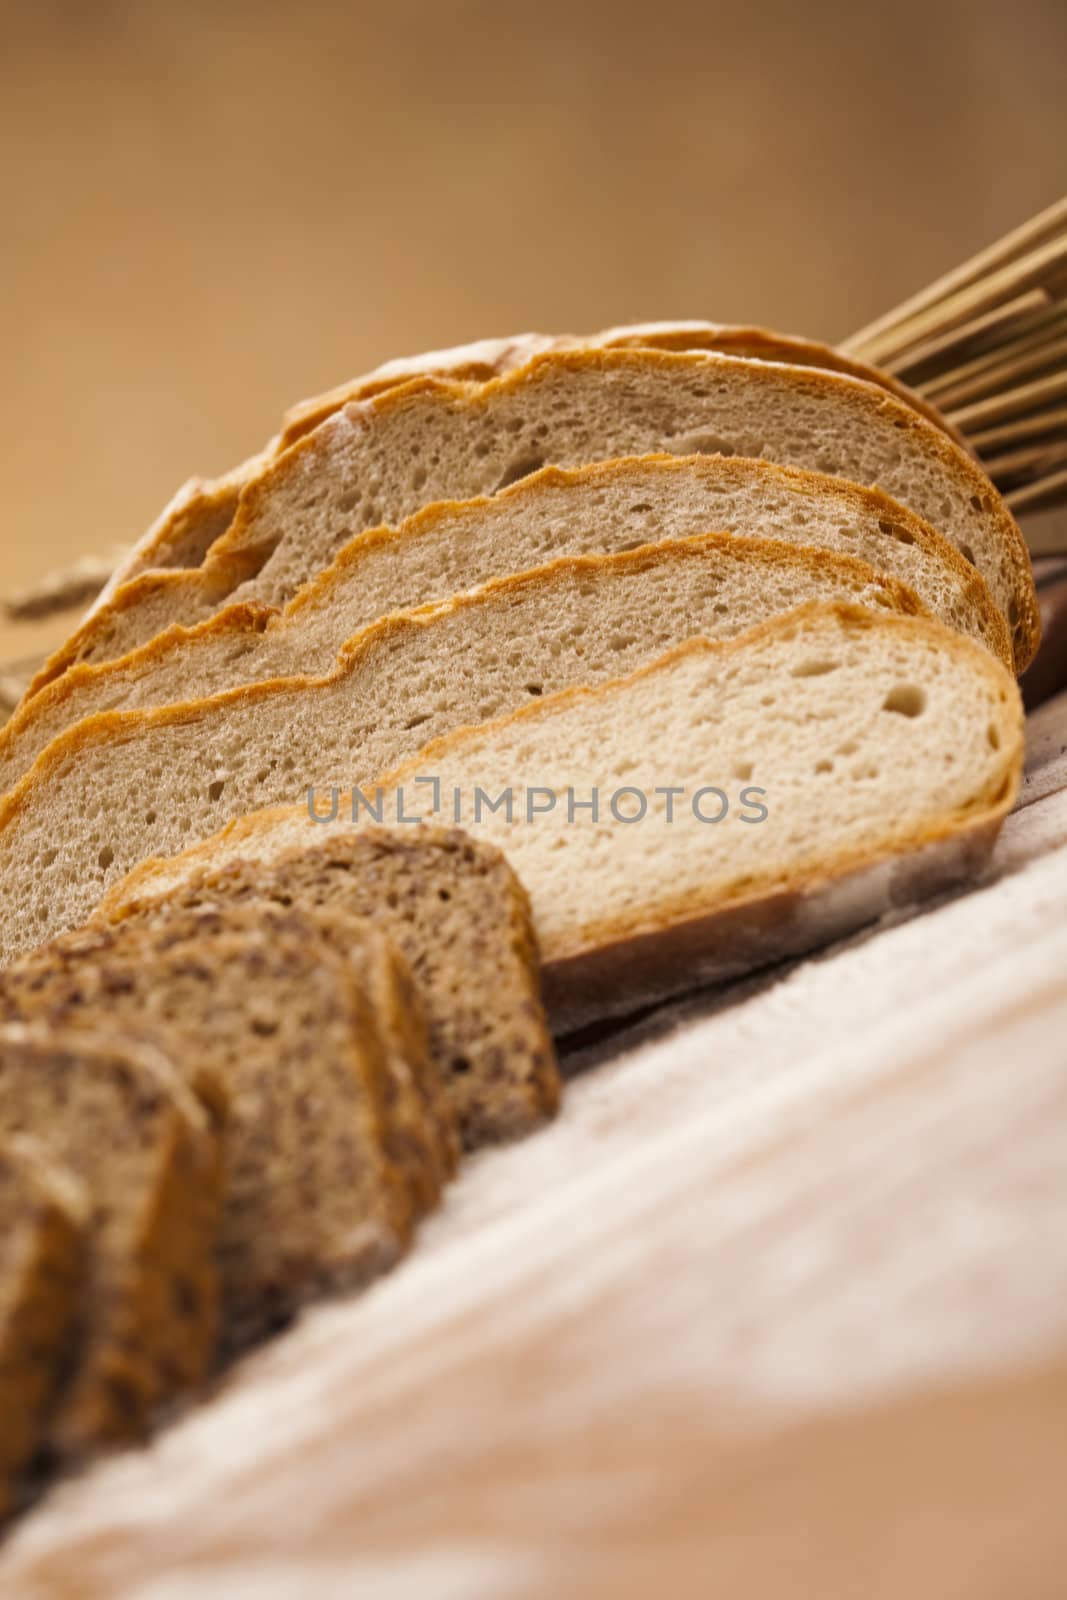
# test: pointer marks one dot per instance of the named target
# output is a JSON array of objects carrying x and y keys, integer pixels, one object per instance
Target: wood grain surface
[{"x": 778, "y": 1307}]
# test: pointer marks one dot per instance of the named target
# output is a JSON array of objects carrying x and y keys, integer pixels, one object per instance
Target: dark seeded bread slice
[
  {"x": 420, "y": 1131},
  {"x": 312, "y": 1198},
  {"x": 149, "y": 1157},
  {"x": 43, "y": 1217},
  {"x": 459, "y": 914}
]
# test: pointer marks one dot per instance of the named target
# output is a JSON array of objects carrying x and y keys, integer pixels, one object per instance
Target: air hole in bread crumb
[
  {"x": 1013, "y": 612},
  {"x": 347, "y": 502},
  {"x": 418, "y": 479},
  {"x": 825, "y": 765},
  {"x": 743, "y": 771},
  {"x": 703, "y": 444},
  {"x": 535, "y": 688},
  {"x": 907, "y": 700},
  {"x": 106, "y": 857},
  {"x": 521, "y": 467},
  {"x": 815, "y": 668},
  {"x": 460, "y": 1064},
  {"x": 992, "y": 733},
  {"x": 967, "y": 553},
  {"x": 214, "y": 790}
]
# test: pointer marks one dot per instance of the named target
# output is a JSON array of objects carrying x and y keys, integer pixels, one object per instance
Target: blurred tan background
[{"x": 211, "y": 210}]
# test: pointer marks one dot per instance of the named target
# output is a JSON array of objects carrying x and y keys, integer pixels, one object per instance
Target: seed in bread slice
[
  {"x": 455, "y": 909},
  {"x": 885, "y": 751},
  {"x": 313, "y": 1197},
  {"x": 117, "y": 1116},
  {"x": 43, "y": 1221},
  {"x": 124, "y": 785},
  {"x": 605, "y": 508},
  {"x": 380, "y": 460}
]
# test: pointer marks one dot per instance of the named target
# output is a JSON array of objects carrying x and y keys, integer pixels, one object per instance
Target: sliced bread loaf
[
  {"x": 234, "y": 648},
  {"x": 378, "y": 461},
  {"x": 610, "y": 506},
  {"x": 124, "y": 785},
  {"x": 314, "y": 1197},
  {"x": 825, "y": 767},
  {"x": 149, "y": 1157},
  {"x": 200, "y": 511},
  {"x": 43, "y": 1217},
  {"x": 455, "y": 909},
  {"x": 420, "y": 1136}
]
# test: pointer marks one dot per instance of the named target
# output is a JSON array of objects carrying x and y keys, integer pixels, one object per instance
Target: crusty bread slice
[
  {"x": 123, "y": 785},
  {"x": 456, "y": 910},
  {"x": 315, "y": 1194},
  {"x": 864, "y": 761},
  {"x": 44, "y": 1213},
  {"x": 493, "y": 358},
  {"x": 115, "y": 1113},
  {"x": 607, "y": 506},
  {"x": 378, "y": 461},
  {"x": 420, "y": 1137},
  {"x": 201, "y": 510}
]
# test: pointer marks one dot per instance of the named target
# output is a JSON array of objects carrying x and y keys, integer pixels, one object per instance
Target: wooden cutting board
[{"x": 777, "y": 1308}]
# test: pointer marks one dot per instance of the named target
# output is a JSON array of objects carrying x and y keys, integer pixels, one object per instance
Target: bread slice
[
  {"x": 378, "y": 461},
  {"x": 866, "y": 761},
  {"x": 200, "y": 511},
  {"x": 493, "y": 358},
  {"x": 43, "y": 1217},
  {"x": 609, "y": 506},
  {"x": 456, "y": 910},
  {"x": 314, "y": 1196},
  {"x": 419, "y": 1132},
  {"x": 116, "y": 1115},
  {"x": 124, "y": 785}
]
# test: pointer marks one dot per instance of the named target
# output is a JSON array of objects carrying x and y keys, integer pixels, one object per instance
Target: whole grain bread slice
[
  {"x": 607, "y": 507},
  {"x": 420, "y": 1136},
  {"x": 43, "y": 1224},
  {"x": 316, "y": 1194},
  {"x": 124, "y": 785},
  {"x": 201, "y": 510},
  {"x": 116, "y": 1115},
  {"x": 379, "y": 461},
  {"x": 458, "y": 913},
  {"x": 865, "y": 761}
]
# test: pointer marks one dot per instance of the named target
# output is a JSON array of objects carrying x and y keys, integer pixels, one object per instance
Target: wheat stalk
[{"x": 987, "y": 345}]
